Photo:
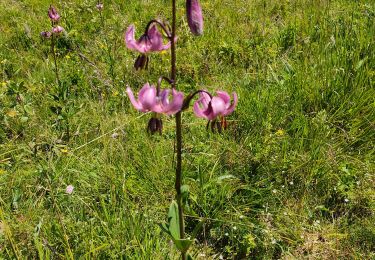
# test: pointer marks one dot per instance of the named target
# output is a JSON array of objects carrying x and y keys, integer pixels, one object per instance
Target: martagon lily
[
  {"x": 53, "y": 14},
  {"x": 150, "y": 41},
  {"x": 213, "y": 107},
  {"x": 152, "y": 99}
]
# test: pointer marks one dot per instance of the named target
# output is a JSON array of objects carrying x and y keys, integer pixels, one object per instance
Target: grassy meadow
[{"x": 292, "y": 177}]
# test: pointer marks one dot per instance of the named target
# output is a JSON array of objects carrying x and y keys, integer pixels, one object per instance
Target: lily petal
[
  {"x": 198, "y": 111},
  {"x": 224, "y": 96},
  {"x": 135, "y": 103},
  {"x": 156, "y": 39},
  {"x": 129, "y": 38},
  {"x": 176, "y": 104},
  {"x": 218, "y": 106},
  {"x": 148, "y": 98},
  {"x": 230, "y": 109}
]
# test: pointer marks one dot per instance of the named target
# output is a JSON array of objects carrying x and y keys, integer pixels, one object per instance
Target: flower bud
[
  {"x": 141, "y": 62},
  {"x": 155, "y": 125},
  {"x": 194, "y": 16}
]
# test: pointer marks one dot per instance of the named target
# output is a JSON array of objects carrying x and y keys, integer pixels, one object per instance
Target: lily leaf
[
  {"x": 164, "y": 227},
  {"x": 183, "y": 244},
  {"x": 173, "y": 216}
]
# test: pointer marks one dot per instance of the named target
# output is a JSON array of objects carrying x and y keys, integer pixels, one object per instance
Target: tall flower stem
[
  {"x": 178, "y": 182},
  {"x": 53, "y": 43}
]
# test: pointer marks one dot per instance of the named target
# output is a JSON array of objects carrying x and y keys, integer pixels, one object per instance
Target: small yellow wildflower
[
  {"x": 115, "y": 93},
  {"x": 12, "y": 113},
  {"x": 64, "y": 151},
  {"x": 280, "y": 132},
  {"x": 3, "y": 84}
]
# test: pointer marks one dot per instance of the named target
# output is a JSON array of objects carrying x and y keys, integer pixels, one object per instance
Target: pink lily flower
[
  {"x": 149, "y": 42},
  {"x": 150, "y": 101},
  {"x": 194, "y": 16},
  {"x": 171, "y": 107},
  {"x": 57, "y": 29},
  {"x": 53, "y": 14},
  {"x": 213, "y": 107},
  {"x": 46, "y": 34}
]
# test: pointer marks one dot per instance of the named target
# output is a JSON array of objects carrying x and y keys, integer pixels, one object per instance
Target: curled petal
[
  {"x": 175, "y": 105},
  {"x": 202, "y": 107},
  {"x": 205, "y": 99},
  {"x": 155, "y": 38},
  {"x": 137, "y": 105},
  {"x": 130, "y": 41},
  {"x": 148, "y": 97},
  {"x": 199, "y": 109},
  {"x": 231, "y": 108},
  {"x": 142, "y": 45},
  {"x": 224, "y": 96}
]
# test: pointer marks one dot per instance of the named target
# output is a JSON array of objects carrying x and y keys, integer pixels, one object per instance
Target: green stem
[
  {"x": 55, "y": 60},
  {"x": 178, "y": 182}
]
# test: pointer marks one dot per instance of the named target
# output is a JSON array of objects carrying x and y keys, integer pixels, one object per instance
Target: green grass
[{"x": 293, "y": 177}]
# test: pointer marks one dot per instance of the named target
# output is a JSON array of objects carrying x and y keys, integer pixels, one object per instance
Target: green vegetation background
[{"x": 292, "y": 178}]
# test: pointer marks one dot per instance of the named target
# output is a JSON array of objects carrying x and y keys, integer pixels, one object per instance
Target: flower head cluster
[
  {"x": 170, "y": 102},
  {"x": 56, "y": 30}
]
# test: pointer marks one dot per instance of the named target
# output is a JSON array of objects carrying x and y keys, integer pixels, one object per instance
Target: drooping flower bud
[
  {"x": 141, "y": 62},
  {"x": 194, "y": 16},
  {"x": 53, "y": 14},
  {"x": 155, "y": 125}
]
